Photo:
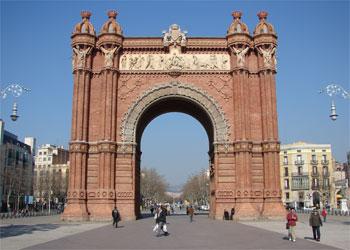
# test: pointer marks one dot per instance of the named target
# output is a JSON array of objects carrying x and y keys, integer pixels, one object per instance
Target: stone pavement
[{"x": 203, "y": 233}]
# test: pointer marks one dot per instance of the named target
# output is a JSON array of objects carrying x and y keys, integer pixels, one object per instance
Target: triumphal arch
[{"x": 122, "y": 83}]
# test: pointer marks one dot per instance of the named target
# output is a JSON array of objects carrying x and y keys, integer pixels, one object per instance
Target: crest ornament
[{"x": 174, "y": 36}]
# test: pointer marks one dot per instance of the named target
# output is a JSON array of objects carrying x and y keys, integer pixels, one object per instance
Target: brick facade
[{"x": 121, "y": 84}]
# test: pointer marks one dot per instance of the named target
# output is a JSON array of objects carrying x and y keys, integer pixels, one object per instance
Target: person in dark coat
[
  {"x": 115, "y": 216},
  {"x": 161, "y": 220},
  {"x": 226, "y": 215},
  {"x": 232, "y": 213},
  {"x": 315, "y": 222}
]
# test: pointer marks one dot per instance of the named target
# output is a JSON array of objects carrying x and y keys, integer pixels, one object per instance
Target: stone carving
[
  {"x": 222, "y": 87},
  {"x": 240, "y": 55},
  {"x": 174, "y": 36},
  {"x": 109, "y": 55},
  {"x": 175, "y": 61},
  {"x": 267, "y": 54},
  {"x": 127, "y": 87},
  {"x": 79, "y": 56},
  {"x": 175, "y": 89}
]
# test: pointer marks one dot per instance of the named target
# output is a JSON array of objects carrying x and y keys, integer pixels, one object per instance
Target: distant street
[{"x": 203, "y": 233}]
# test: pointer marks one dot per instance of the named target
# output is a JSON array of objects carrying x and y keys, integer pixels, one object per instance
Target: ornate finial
[
  {"x": 85, "y": 14},
  {"x": 237, "y": 14},
  {"x": 262, "y": 15},
  {"x": 112, "y": 14}
]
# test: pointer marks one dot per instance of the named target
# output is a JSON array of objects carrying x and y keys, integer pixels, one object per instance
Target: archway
[
  {"x": 122, "y": 83},
  {"x": 174, "y": 97}
]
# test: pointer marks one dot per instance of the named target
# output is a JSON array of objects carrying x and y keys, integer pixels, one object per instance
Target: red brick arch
[{"x": 121, "y": 84}]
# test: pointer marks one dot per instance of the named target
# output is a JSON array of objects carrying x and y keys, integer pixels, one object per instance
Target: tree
[
  {"x": 196, "y": 188},
  {"x": 153, "y": 187}
]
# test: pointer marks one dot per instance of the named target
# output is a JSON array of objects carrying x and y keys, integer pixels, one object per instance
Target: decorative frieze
[
  {"x": 78, "y": 147},
  {"x": 271, "y": 146},
  {"x": 125, "y": 195},
  {"x": 174, "y": 61}
]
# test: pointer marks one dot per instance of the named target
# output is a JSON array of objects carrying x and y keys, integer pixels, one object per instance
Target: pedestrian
[
  {"x": 156, "y": 215},
  {"x": 191, "y": 213},
  {"x": 315, "y": 222},
  {"x": 162, "y": 221},
  {"x": 152, "y": 210},
  {"x": 232, "y": 213},
  {"x": 116, "y": 216},
  {"x": 324, "y": 214},
  {"x": 226, "y": 215},
  {"x": 292, "y": 218}
]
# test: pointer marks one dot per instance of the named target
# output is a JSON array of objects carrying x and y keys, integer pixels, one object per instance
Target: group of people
[
  {"x": 315, "y": 222},
  {"x": 228, "y": 216}
]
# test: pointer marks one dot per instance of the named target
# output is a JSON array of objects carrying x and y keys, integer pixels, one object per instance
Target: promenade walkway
[{"x": 203, "y": 233}]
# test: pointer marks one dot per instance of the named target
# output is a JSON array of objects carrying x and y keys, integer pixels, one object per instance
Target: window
[
  {"x": 49, "y": 158},
  {"x": 285, "y": 171},
  {"x": 299, "y": 158},
  {"x": 313, "y": 150},
  {"x": 45, "y": 153},
  {"x": 326, "y": 182},
  {"x": 299, "y": 151},
  {"x": 44, "y": 159},
  {"x": 286, "y": 183},
  {"x": 313, "y": 157},
  {"x": 323, "y": 150},
  {"x": 40, "y": 153},
  {"x": 314, "y": 169},
  {"x": 301, "y": 195},
  {"x": 287, "y": 196},
  {"x": 285, "y": 160},
  {"x": 325, "y": 171},
  {"x": 315, "y": 182},
  {"x": 324, "y": 157},
  {"x": 300, "y": 170}
]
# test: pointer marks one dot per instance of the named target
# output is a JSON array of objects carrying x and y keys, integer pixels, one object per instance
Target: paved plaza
[{"x": 203, "y": 233}]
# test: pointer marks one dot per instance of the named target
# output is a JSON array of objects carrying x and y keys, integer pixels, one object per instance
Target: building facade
[
  {"x": 307, "y": 175},
  {"x": 51, "y": 174},
  {"x": 16, "y": 171},
  {"x": 122, "y": 83}
]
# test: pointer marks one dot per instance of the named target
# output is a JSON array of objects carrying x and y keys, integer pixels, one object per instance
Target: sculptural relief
[
  {"x": 240, "y": 55},
  {"x": 109, "y": 55},
  {"x": 175, "y": 61},
  {"x": 79, "y": 56},
  {"x": 267, "y": 55}
]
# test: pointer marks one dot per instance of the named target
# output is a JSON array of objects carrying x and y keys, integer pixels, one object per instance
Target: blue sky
[{"x": 313, "y": 51}]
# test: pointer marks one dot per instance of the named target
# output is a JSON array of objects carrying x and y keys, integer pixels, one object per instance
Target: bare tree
[
  {"x": 153, "y": 186},
  {"x": 196, "y": 188}
]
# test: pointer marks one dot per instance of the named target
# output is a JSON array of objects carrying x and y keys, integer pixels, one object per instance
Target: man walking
[
  {"x": 115, "y": 216},
  {"x": 191, "y": 213},
  {"x": 161, "y": 220},
  {"x": 315, "y": 222}
]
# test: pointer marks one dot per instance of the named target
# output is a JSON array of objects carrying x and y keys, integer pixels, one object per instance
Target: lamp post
[
  {"x": 16, "y": 90},
  {"x": 334, "y": 90}
]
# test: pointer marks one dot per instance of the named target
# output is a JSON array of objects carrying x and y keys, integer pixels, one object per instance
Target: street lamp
[
  {"x": 334, "y": 90},
  {"x": 16, "y": 90}
]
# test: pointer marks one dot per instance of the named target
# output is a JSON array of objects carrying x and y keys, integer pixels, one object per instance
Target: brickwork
[{"x": 121, "y": 84}]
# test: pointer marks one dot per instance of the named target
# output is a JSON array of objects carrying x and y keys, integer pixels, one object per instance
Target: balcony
[
  {"x": 300, "y": 183},
  {"x": 325, "y": 162},
  {"x": 299, "y": 162},
  {"x": 326, "y": 187},
  {"x": 300, "y": 174},
  {"x": 326, "y": 174},
  {"x": 314, "y": 162},
  {"x": 315, "y": 187},
  {"x": 315, "y": 174}
]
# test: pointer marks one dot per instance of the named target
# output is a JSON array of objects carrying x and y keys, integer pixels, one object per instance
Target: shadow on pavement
[{"x": 15, "y": 230}]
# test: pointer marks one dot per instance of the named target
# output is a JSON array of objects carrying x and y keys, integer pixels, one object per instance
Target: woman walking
[{"x": 292, "y": 218}]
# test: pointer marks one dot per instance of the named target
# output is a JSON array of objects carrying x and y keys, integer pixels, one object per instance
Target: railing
[
  {"x": 300, "y": 183},
  {"x": 299, "y": 162},
  {"x": 315, "y": 187},
  {"x": 12, "y": 215},
  {"x": 314, "y": 162},
  {"x": 325, "y": 162},
  {"x": 285, "y": 163},
  {"x": 325, "y": 174},
  {"x": 300, "y": 174},
  {"x": 313, "y": 174}
]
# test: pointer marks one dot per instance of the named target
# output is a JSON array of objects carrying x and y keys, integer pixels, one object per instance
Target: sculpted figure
[
  {"x": 213, "y": 62},
  {"x": 267, "y": 54},
  {"x": 240, "y": 54},
  {"x": 123, "y": 62},
  {"x": 149, "y": 62},
  {"x": 109, "y": 55},
  {"x": 80, "y": 56}
]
